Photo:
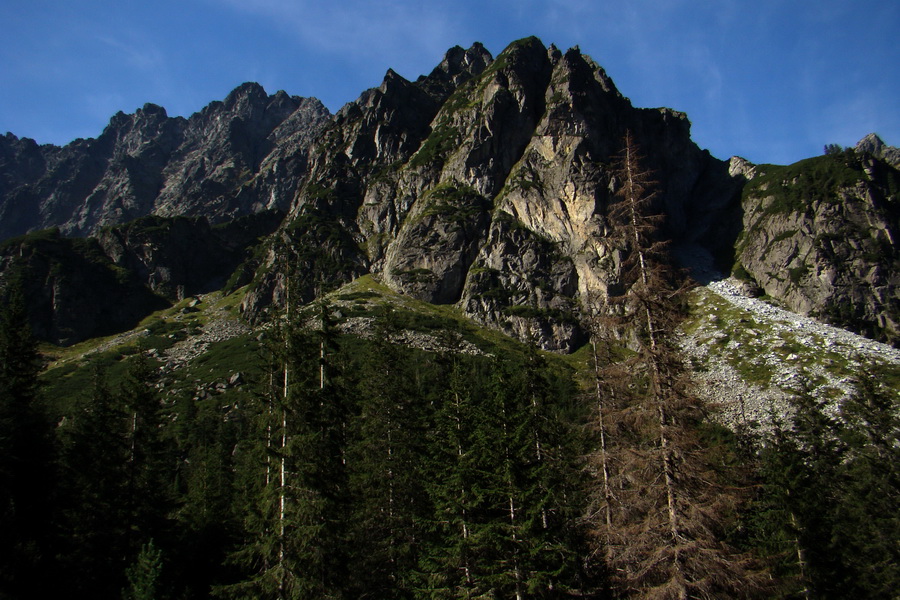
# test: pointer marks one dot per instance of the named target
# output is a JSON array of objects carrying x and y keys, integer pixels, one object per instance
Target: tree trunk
[{"x": 604, "y": 458}]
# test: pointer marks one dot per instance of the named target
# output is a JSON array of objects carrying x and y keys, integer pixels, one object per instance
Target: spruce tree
[
  {"x": 452, "y": 566},
  {"x": 144, "y": 575},
  {"x": 295, "y": 472},
  {"x": 261, "y": 499},
  {"x": 385, "y": 468},
  {"x": 206, "y": 435},
  {"x": 830, "y": 486},
  {"x": 26, "y": 451},
  {"x": 150, "y": 478},
  {"x": 866, "y": 521},
  {"x": 503, "y": 483},
  {"x": 817, "y": 435},
  {"x": 532, "y": 451},
  {"x": 505, "y": 512},
  {"x": 317, "y": 447},
  {"x": 97, "y": 519}
]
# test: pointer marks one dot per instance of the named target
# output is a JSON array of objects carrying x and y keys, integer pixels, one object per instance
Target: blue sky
[{"x": 769, "y": 80}]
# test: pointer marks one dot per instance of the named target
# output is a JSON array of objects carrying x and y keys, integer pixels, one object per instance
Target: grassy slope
[
  {"x": 69, "y": 371},
  {"x": 756, "y": 350}
]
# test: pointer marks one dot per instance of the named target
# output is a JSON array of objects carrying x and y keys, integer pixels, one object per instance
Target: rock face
[
  {"x": 874, "y": 145},
  {"x": 489, "y": 188},
  {"x": 219, "y": 164},
  {"x": 821, "y": 237},
  {"x": 350, "y": 205},
  {"x": 177, "y": 257},
  {"x": 72, "y": 289},
  {"x": 79, "y": 288}
]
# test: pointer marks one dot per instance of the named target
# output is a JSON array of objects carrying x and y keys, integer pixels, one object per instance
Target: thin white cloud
[
  {"x": 706, "y": 74},
  {"x": 101, "y": 106},
  {"x": 851, "y": 118},
  {"x": 142, "y": 68},
  {"x": 144, "y": 56},
  {"x": 397, "y": 34}
]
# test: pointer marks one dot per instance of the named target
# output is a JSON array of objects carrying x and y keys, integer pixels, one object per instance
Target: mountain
[
  {"x": 493, "y": 197},
  {"x": 484, "y": 184},
  {"x": 295, "y": 354},
  {"x": 820, "y": 236},
  {"x": 79, "y": 288},
  {"x": 214, "y": 164}
]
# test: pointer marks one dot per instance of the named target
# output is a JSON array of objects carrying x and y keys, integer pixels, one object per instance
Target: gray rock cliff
[
  {"x": 821, "y": 237},
  {"x": 79, "y": 288},
  {"x": 219, "y": 164}
]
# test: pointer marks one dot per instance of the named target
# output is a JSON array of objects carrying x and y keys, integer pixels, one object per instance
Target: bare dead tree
[{"x": 662, "y": 512}]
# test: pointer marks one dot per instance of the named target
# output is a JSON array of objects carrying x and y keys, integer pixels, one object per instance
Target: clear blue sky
[{"x": 769, "y": 80}]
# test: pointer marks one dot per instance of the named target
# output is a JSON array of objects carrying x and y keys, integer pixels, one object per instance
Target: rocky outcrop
[
  {"x": 521, "y": 284},
  {"x": 73, "y": 291},
  {"x": 183, "y": 256},
  {"x": 874, "y": 145},
  {"x": 821, "y": 237},
  {"x": 233, "y": 158},
  {"x": 350, "y": 205},
  {"x": 77, "y": 288}
]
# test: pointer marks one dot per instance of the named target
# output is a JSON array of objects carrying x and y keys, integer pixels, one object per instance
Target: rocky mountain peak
[
  {"x": 871, "y": 143},
  {"x": 554, "y": 53},
  {"x": 741, "y": 167},
  {"x": 524, "y": 69},
  {"x": 820, "y": 236},
  {"x": 150, "y": 110},
  {"x": 117, "y": 121},
  {"x": 435, "y": 198},
  {"x": 459, "y": 64},
  {"x": 390, "y": 77},
  {"x": 394, "y": 88},
  {"x": 874, "y": 145},
  {"x": 248, "y": 92}
]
